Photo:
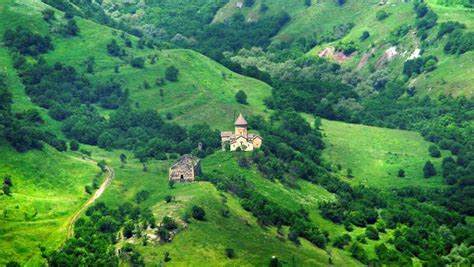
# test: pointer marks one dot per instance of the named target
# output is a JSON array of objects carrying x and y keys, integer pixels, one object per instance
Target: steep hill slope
[
  {"x": 328, "y": 25},
  {"x": 48, "y": 187},
  {"x": 204, "y": 88}
]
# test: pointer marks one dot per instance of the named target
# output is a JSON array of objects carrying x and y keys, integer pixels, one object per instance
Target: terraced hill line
[{"x": 97, "y": 194}]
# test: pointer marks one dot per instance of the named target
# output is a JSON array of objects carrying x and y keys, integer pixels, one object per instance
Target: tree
[
  {"x": 349, "y": 173},
  {"x": 114, "y": 49},
  {"x": 434, "y": 151},
  {"x": 171, "y": 184},
  {"x": 198, "y": 213},
  {"x": 71, "y": 28},
  {"x": 7, "y": 180},
  {"x": 48, "y": 15},
  {"x": 138, "y": 62},
  {"x": 241, "y": 97},
  {"x": 229, "y": 253},
  {"x": 429, "y": 170},
  {"x": 74, "y": 145},
  {"x": 123, "y": 158},
  {"x": 168, "y": 198},
  {"x": 371, "y": 233},
  {"x": 274, "y": 262},
  {"x": 90, "y": 62},
  {"x": 169, "y": 223},
  {"x": 381, "y": 15},
  {"x": 6, "y": 189},
  {"x": 249, "y": 3},
  {"x": 401, "y": 173},
  {"x": 171, "y": 74},
  {"x": 166, "y": 256},
  {"x": 364, "y": 35}
]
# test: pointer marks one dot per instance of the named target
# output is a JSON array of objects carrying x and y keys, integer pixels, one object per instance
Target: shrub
[
  {"x": 229, "y": 253},
  {"x": 137, "y": 62},
  {"x": 169, "y": 223},
  {"x": 364, "y": 35},
  {"x": 171, "y": 74},
  {"x": 372, "y": 233},
  {"x": 168, "y": 198},
  {"x": 381, "y": 15},
  {"x": 74, "y": 145},
  {"x": 241, "y": 97},
  {"x": 114, "y": 49},
  {"x": 429, "y": 170},
  {"x": 401, "y": 173},
  {"x": 198, "y": 213},
  {"x": 434, "y": 151}
]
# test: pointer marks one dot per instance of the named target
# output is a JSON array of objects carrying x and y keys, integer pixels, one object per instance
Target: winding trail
[{"x": 97, "y": 194}]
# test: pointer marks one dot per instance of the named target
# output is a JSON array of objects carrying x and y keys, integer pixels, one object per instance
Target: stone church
[
  {"x": 241, "y": 138},
  {"x": 185, "y": 169}
]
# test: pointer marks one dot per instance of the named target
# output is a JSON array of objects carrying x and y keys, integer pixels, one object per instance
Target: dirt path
[{"x": 97, "y": 194}]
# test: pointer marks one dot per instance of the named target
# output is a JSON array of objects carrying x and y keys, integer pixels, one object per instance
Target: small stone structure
[
  {"x": 241, "y": 138},
  {"x": 185, "y": 169}
]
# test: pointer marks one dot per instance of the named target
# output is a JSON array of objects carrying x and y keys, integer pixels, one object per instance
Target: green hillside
[
  {"x": 376, "y": 154},
  {"x": 326, "y": 20},
  {"x": 203, "y": 242},
  {"x": 448, "y": 77},
  {"x": 48, "y": 187},
  {"x": 303, "y": 191},
  {"x": 204, "y": 92}
]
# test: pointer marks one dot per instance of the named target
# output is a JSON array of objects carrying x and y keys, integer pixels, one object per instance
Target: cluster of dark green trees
[
  {"x": 96, "y": 233},
  {"x": 71, "y": 98}
]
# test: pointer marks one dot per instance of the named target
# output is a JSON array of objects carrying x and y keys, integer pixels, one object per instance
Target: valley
[{"x": 363, "y": 154}]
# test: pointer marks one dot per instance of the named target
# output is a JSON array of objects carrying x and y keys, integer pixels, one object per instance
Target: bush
[
  {"x": 381, "y": 15},
  {"x": 142, "y": 196},
  {"x": 198, "y": 213},
  {"x": 168, "y": 198},
  {"x": 372, "y": 233},
  {"x": 138, "y": 62},
  {"x": 26, "y": 42},
  {"x": 113, "y": 49},
  {"x": 241, "y": 97},
  {"x": 401, "y": 173},
  {"x": 74, "y": 145},
  {"x": 229, "y": 253},
  {"x": 171, "y": 74},
  {"x": 364, "y": 35},
  {"x": 434, "y": 151},
  {"x": 429, "y": 170},
  {"x": 169, "y": 223}
]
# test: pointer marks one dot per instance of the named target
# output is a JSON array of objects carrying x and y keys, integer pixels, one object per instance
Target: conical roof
[{"x": 241, "y": 121}]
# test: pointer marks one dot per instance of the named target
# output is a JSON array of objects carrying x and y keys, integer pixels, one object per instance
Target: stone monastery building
[
  {"x": 241, "y": 138},
  {"x": 185, "y": 169}
]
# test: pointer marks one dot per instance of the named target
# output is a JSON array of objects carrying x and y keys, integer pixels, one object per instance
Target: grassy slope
[
  {"x": 205, "y": 90},
  {"x": 253, "y": 13},
  {"x": 454, "y": 73},
  {"x": 46, "y": 182},
  {"x": 450, "y": 76},
  {"x": 376, "y": 154},
  {"x": 204, "y": 242}
]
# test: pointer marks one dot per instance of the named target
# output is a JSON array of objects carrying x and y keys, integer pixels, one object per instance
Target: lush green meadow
[
  {"x": 48, "y": 187},
  {"x": 376, "y": 154}
]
